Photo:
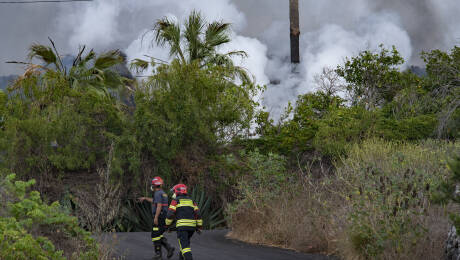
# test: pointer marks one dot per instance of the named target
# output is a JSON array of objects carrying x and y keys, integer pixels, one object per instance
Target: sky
[{"x": 331, "y": 30}]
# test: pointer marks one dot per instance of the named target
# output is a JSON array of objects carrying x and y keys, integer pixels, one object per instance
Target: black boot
[
  {"x": 157, "y": 252},
  {"x": 169, "y": 248}
]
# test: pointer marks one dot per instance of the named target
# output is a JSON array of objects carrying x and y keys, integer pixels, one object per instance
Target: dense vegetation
[{"x": 354, "y": 163}]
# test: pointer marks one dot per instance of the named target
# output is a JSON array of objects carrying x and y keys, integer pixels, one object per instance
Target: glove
[{"x": 198, "y": 231}]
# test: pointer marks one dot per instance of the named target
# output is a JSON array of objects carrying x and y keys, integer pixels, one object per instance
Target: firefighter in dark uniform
[
  {"x": 188, "y": 219},
  {"x": 159, "y": 211}
]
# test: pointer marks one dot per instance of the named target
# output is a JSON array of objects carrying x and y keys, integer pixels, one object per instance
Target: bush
[
  {"x": 387, "y": 187},
  {"x": 71, "y": 134},
  {"x": 376, "y": 206},
  {"x": 31, "y": 229},
  {"x": 185, "y": 110},
  {"x": 342, "y": 127}
]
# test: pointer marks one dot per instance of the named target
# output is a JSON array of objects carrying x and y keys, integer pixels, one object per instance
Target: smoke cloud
[{"x": 330, "y": 31}]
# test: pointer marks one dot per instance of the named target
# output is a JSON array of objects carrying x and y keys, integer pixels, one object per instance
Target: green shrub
[
  {"x": 387, "y": 186},
  {"x": 185, "y": 106},
  {"x": 376, "y": 206},
  {"x": 68, "y": 135},
  {"x": 32, "y": 229},
  {"x": 409, "y": 129},
  {"x": 264, "y": 178},
  {"x": 342, "y": 127},
  {"x": 448, "y": 190}
]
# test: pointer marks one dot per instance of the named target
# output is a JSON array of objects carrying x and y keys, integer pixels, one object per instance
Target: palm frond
[
  {"x": 139, "y": 65},
  {"x": 108, "y": 59},
  {"x": 43, "y": 53},
  {"x": 217, "y": 33},
  {"x": 241, "y": 54},
  {"x": 60, "y": 66},
  {"x": 166, "y": 31},
  {"x": 193, "y": 30},
  {"x": 91, "y": 55},
  {"x": 77, "y": 59}
]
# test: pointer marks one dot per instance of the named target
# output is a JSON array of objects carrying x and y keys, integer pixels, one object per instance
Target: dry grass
[
  {"x": 297, "y": 221},
  {"x": 323, "y": 216},
  {"x": 98, "y": 211},
  {"x": 307, "y": 225}
]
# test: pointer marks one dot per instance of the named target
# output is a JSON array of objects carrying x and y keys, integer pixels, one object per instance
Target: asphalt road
[{"x": 210, "y": 245}]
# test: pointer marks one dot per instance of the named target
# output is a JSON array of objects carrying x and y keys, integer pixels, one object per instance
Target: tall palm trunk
[{"x": 295, "y": 30}]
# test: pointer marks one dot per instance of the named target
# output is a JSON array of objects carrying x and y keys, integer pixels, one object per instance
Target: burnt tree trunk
[{"x": 295, "y": 30}]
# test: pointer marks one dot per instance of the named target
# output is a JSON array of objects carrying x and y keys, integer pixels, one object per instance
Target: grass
[{"x": 376, "y": 205}]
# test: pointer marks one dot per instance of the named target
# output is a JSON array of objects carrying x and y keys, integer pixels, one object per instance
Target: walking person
[
  {"x": 159, "y": 211},
  {"x": 188, "y": 220}
]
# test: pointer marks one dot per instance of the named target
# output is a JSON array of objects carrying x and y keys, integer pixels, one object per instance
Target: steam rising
[{"x": 330, "y": 31}]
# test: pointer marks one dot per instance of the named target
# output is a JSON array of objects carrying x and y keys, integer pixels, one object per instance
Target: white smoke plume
[{"x": 330, "y": 31}]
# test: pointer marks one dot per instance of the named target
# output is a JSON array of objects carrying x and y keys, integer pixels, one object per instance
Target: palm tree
[
  {"x": 86, "y": 71},
  {"x": 197, "y": 41}
]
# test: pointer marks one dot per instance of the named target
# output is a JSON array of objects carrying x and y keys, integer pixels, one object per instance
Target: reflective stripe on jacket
[{"x": 185, "y": 211}]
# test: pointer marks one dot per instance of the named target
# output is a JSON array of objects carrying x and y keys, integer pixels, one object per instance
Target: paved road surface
[{"x": 210, "y": 245}]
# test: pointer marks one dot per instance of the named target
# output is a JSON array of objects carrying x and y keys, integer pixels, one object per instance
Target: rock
[{"x": 452, "y": 245}]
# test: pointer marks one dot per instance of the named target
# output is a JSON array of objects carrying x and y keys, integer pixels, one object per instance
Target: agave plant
[
  {"x": 135, "y": 216},
  {"x": 212, "y": 218}
]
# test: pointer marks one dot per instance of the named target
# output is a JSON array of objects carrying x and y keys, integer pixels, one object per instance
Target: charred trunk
[{"x": 295, "y": 30}]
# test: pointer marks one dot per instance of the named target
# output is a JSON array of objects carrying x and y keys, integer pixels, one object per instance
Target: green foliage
[
  {"x": 197, "y": 41},
  {"x": 411, "y": 129},
  {"x": 448, "y": 190},
  {"x": 264, "y": 179},
  {"x": 443, "y": 82},
  {"x": 296, "y": 134},
  {"x": 135, "y": 217},
  {"x": 373, "y": 78},
  {"x": 31, "y": 229},
  {"x": 62, "y": 120},
  {"x": 71, "y": 134},
  {"x": 342, "y": 127},
  {"x": 388, "y": 186},
  {"x": 187, "y": 106},
  {"x": 212, "y": 218}
]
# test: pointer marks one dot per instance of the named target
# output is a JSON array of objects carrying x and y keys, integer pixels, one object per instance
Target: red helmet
[
  {"x": 157, "y": 181},
  {"x": 180, "y": 189}
]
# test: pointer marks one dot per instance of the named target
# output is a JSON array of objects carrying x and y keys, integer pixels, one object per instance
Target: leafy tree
[
  {"x": 373, "y": 78},
  {"x": 198, "y": 101},
  {"x": 58, "y": 118},
  {"x": 186, "y": 107},
  {"x": 443, "y": 82},
  {"x": 298, "y": 126}
]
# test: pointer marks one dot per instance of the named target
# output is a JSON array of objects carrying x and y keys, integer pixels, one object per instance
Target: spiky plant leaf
[
  {"x": 108, "y": 59},
  {"x": 217, "y": 34},
  {"x": 139, "y": 65},
  {"x": 212, "y": 218},
  {"x": 43, "y": 53}
]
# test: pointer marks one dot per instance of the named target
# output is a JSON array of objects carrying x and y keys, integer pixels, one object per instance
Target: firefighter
[
  {"x": 159, "y": 211},
  {"x": 188, "y": 219}
]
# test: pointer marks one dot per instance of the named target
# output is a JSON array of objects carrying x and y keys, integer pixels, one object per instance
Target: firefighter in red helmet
[
  {"x": 188, "y": 219},
  {"x": 159, "y": 211}
]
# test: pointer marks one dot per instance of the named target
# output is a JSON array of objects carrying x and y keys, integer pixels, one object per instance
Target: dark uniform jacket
[
  {"x": 186, "y": 213},
  {"x": 160, "y": 197}
]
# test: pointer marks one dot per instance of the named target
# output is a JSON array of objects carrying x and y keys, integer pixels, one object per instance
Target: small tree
[
  {"x": 373, "y": 78},
  {"x": 329, "y": 82}
]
